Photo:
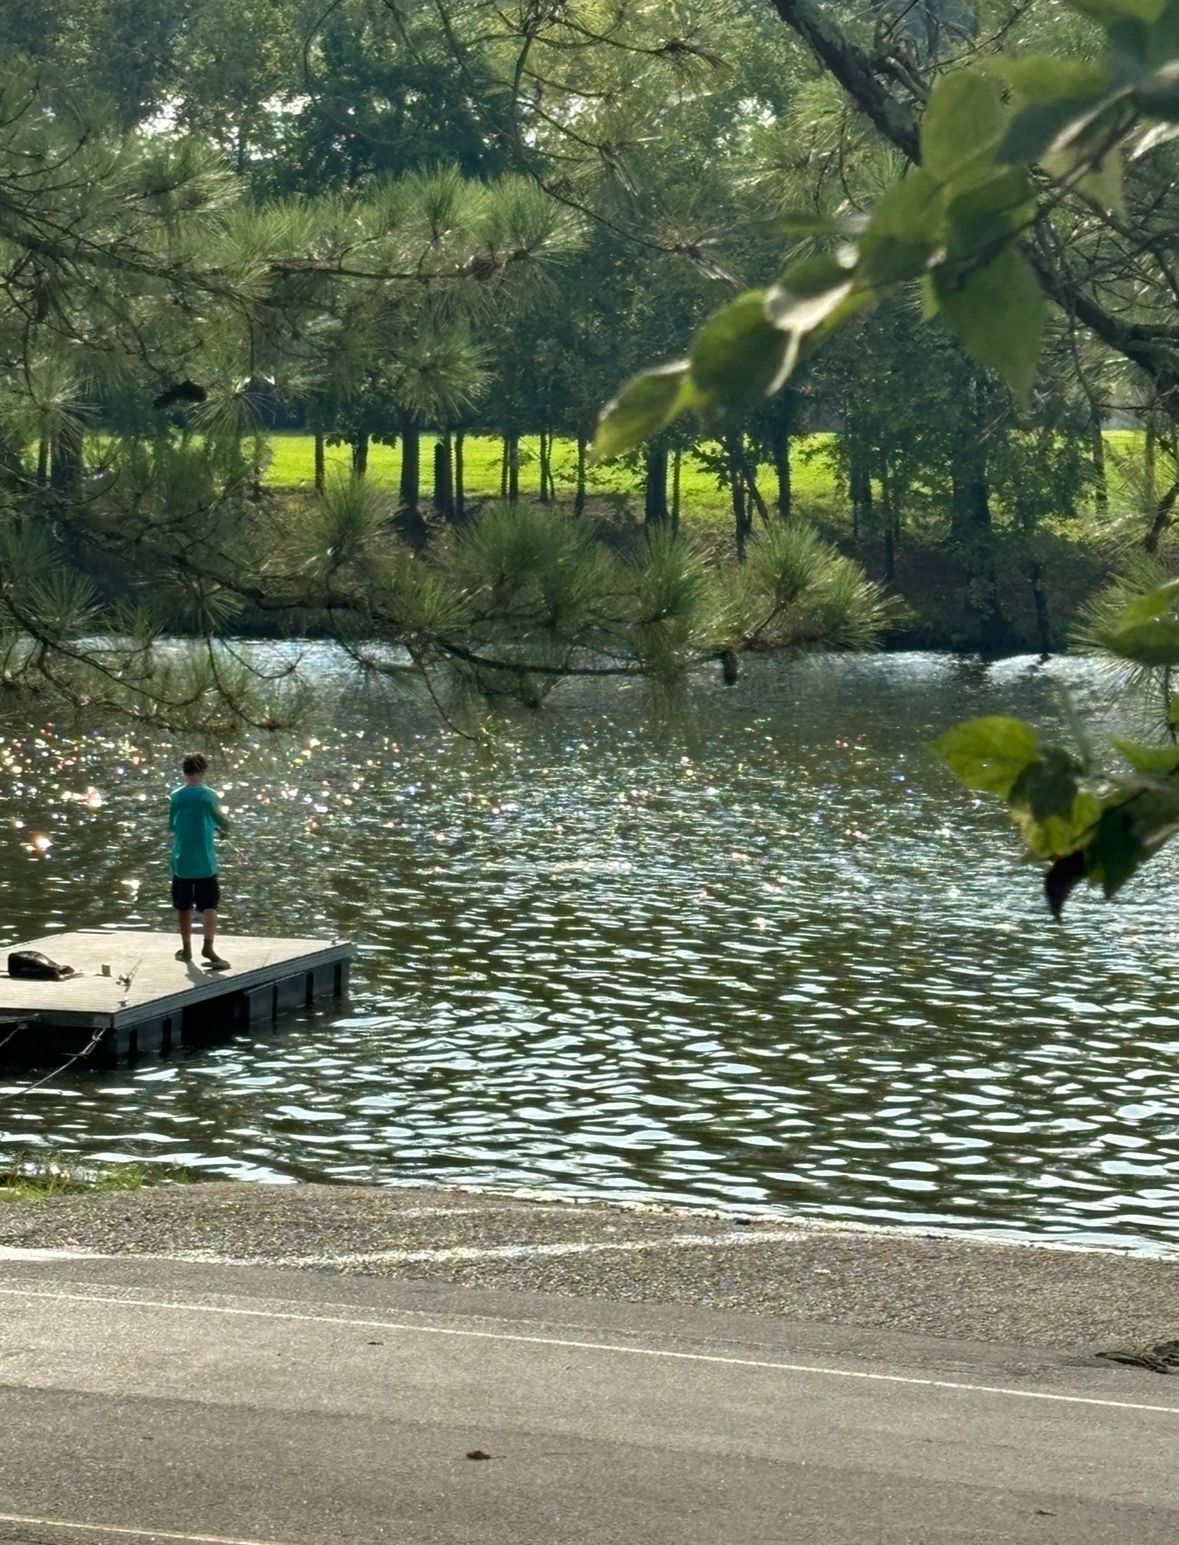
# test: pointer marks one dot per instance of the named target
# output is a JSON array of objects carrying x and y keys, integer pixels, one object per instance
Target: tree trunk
[
  {"x": 460, "y": 493},
  {"x": 859, "y": 487},
  {"x": 256, "y": 449},
  {"x": 410, "y": 490},
  {"x": 360, "y": 454},
  {"x": 888, "y": 517},
  {"x": 782, "y": 473},
  {"x": 66, "y": 465},
  {"x": 970, "y": 497},
  {"x": 971, "y": 534},
  {"x": 655, "y": 486},
  {"x": 1100, "y": 481},
  {"x": 504, "y": 458},
  {"x": 320, "y": 459},
  {"x": 737, "y": 493},
  {"x": 1040, "y": 606},
  {"x": 513, "y": 449},
  {"x": 409, "y": 515},
  {"x": 443, "y": 477},
  {"x": 545, "y": 458},
  {"x": 438, "y": 497},
  {"x": 753, "y": 492},
  {"x": 43, "y": 460},
  {"x": 676, "y": 461},
  {"x": 579, "y": 494},
  {"x": 1163, "y": 510}
]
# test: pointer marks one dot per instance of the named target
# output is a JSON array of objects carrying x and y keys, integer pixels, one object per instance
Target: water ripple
[{"x": 764, "y": 954}]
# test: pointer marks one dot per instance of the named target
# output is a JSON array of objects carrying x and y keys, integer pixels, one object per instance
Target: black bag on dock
[{"x": 34, "y": 966}]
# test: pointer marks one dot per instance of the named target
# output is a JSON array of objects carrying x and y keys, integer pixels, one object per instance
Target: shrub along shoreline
[{"x": 1042, "y": 579}]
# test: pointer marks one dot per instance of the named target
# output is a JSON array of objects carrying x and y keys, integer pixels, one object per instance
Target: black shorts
[{"x": 204, "y": 894}]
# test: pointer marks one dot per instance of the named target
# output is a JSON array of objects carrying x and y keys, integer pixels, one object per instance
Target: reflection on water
[{"x": 768, "y": 954}]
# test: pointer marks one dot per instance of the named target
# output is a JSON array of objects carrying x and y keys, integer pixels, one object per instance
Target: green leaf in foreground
[
  {"x": 644, "y": 406},
  {"x": 962, "y": 123},
  {"x": 1053, "y": 812},
  {"x": 989, "y": 753},
  {"x": 1150, "y": 604},
  {"x": 1155, "y": 761},
  {"x": 1039, "y": 125},
  {"x": 1056, "y": 97},
  {"x": 904, "y": 231},
  {"x": 1129, "y": 832},
  {"x": 807, "y": 222},
  {"x": 989, "y": 211},
  {"x": 1158, "y": 94},
  {"x": 739, "y": 356},
  {"x": 1083, "y": 154},
  {"x": 1146, "y": 643},
  {"x": 998, "y": 314},
  {"x": 1129, "y": 828},
  {"x": 1052, "y": 77},
  {"x": 807, "y": 293},
  {"x": 1061, "y": 880}
]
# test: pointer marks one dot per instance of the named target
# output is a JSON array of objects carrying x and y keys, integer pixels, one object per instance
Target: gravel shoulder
[{"x": 1070, "y": 1301}]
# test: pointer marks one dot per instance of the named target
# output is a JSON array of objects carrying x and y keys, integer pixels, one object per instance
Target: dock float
[{"x": 129, "y": 996}]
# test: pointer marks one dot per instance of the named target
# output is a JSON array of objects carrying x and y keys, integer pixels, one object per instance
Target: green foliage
[
  {"x": 997, "y": 310},
  {"x": 644, "y": 406},
  {"x": 958, "y": 219},
  {"x": 739, "y": 355},
  {"x": 677, "y": 607},
  {"x": 800, "y": 593},
  {"x": 989, "y": 754},
  {"x": 342, "y": 524},
  {"x": 543, "y": 571},
  {"x": 1153, "y": 643},
  {"x": 1159, "y": 761},
  {"x": 1100, "y": 827},
  {"x": 333, "y": 235},
  {"x": 536, "y": 597},
  {"x": 1133, "y": 622},
  {"x": 963, "y": 123},
  {"x": 1050, "y": 804}
]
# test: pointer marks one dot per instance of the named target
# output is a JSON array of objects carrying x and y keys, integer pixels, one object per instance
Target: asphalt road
[{"x": 165, "y": 1401}]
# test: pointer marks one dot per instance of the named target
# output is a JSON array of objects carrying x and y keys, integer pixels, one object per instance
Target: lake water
[{"x": 759, "y": 951}]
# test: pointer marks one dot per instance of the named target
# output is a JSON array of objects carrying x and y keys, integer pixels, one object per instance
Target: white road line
[
  {"x": 557, "y": 1247},
  {"x": 125, "y": 1531},
  {"x": 182, "y": 1306}
]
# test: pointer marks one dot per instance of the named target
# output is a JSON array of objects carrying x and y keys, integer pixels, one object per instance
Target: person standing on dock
[{"x": 193, "y": 815}]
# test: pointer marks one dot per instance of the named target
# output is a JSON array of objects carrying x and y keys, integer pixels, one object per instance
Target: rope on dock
[
  {"x": 68, "y": 1063},
  {"x": 17, "y": 1026}
]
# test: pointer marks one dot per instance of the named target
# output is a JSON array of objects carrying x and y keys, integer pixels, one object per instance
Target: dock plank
[{"x": 146, "y": 980}]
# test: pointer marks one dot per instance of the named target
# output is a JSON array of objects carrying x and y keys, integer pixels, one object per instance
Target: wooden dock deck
[{"x": 131, "y": 997}]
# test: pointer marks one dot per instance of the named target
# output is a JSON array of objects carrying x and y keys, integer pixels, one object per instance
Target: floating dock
[{"x": 130, "y": 997}]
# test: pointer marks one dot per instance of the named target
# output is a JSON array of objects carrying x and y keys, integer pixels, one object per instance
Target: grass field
[
  {"x": 817, "y": 489},
  {"x": 292, "y": 465}
]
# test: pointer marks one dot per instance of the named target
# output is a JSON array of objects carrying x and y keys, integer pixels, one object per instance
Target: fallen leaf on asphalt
[{"x": 477, "y": 1453}]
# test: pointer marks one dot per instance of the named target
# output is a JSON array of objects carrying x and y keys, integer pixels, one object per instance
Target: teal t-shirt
[{"x": 194, "y": 812}]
